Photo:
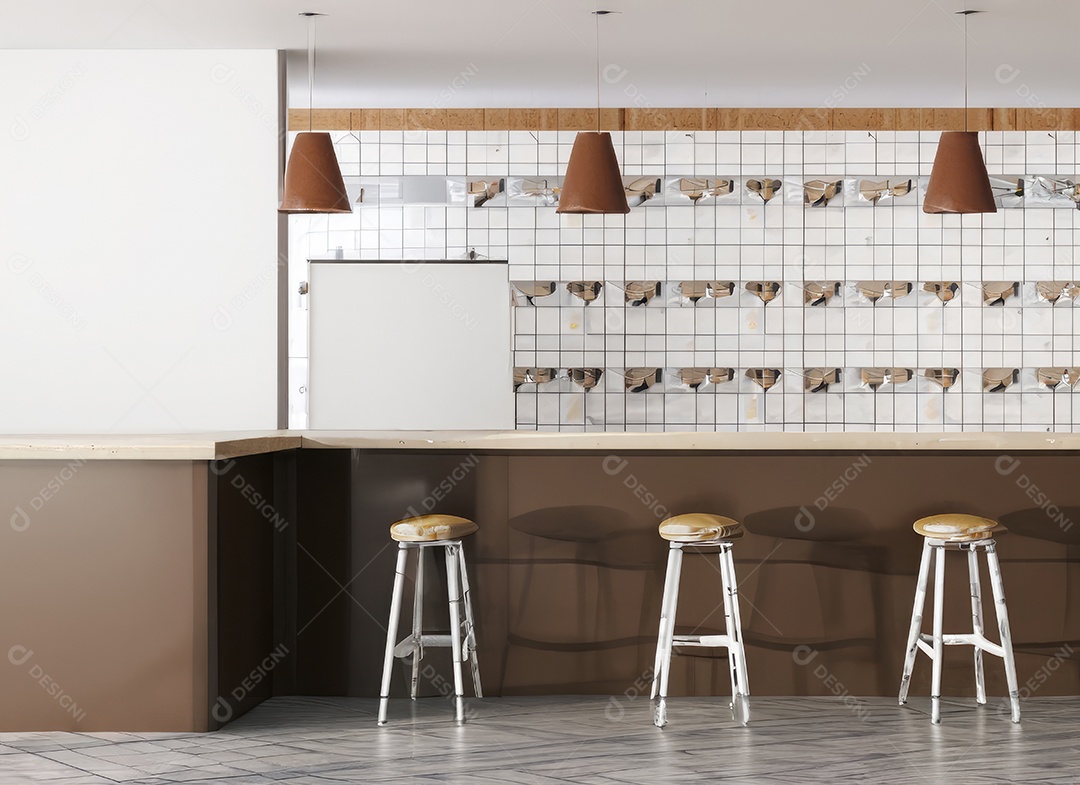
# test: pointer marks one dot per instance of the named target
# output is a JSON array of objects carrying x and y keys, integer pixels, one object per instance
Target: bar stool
[
  {"x": 953, "y": 531},
  {"x": 421, "y": 534},
  {"x": 701, "y": 530}
]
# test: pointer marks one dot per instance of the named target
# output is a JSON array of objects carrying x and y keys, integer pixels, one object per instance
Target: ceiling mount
[
  {"x": 604, "y": 13},
  {"x": 310, "y": 13}
]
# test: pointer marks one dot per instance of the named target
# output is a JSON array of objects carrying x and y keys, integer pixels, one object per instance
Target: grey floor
[{"x": 527, "y": 741}]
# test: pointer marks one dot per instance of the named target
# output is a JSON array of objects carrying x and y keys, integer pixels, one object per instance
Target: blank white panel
[
  {"x": 138, "y": 240},
  {"x": 410, "y": 346}
]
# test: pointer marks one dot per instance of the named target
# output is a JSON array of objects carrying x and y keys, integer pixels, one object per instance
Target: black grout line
[{"x": 1012, "y": 411}]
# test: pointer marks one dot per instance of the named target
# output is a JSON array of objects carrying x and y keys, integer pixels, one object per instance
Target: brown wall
[
  {"x": 112, "y": 619},
  {"x": 569, "y": 570},
  {"x": 103, "y": 595},
  {"x": 252, "y": 532}
]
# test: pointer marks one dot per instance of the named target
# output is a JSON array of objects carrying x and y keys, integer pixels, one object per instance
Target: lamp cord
[
  {"x": 965, "y": 71},
  {"x": 596, "y": 14},
  {"x": 311, "y": 69}
]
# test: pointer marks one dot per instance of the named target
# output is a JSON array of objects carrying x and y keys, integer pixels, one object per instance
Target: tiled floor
[{"x": 527, "y": 741}]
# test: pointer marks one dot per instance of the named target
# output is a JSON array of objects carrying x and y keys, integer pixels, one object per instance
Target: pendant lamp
[
  {"x": 593, "y": 183},
  {"x": 958, "y": 181},
  {"x": 313, "y": 181}
]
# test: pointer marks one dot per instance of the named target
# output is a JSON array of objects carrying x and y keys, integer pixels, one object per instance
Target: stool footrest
[
  {"x": 926, "y": 643},
  {"x": 711, "y": 641},
  {"x": 411, "y": 644}
]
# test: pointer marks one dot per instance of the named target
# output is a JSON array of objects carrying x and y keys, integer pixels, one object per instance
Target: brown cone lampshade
[
  {"x": 593, "y": 183},
  {"x": 313, "y": 181},
  {"x": 959, "y": 182}
]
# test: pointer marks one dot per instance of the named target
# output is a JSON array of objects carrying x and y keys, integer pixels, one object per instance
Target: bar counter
[{"x": 172, "y": 582}]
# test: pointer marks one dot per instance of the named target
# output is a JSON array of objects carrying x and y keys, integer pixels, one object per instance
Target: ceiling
[{"x": 449, "y": 53}]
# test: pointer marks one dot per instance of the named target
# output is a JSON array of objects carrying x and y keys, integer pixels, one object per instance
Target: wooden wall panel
[
  {"x": 425, "y": 120},
  {"x": 638, "y": 118}
]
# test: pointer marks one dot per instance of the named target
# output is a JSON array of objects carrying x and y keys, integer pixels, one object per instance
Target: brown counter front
[
  {"x": 174, "y": 582},
  {"x": 129, "y": 567},
  {"x": 569, "y": 568}
]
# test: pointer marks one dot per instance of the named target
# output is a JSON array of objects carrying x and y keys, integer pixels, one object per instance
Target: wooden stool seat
[
  {"x": 428, "y": 528},
  {"x": 956, "y": 527},
  {"x": 699, "y": 527}
]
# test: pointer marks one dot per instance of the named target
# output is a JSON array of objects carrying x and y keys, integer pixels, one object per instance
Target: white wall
[
  {"x": 138, "y": 240},
  {"x": 739, "y": 239}
]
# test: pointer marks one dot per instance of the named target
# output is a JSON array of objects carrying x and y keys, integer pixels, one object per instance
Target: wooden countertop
[
  {"x": 233, "y": 444},
  {"x": 689, "y": 442},
  {"x": 143, "y": 447}
]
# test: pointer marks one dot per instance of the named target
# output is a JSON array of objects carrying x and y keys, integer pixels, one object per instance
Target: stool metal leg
[
  {"x": 977, "y": 624},
  {"x": 939, "y": 642},
  {"x": 729, "y": 624},
  {"x": 391, "y": 632},
  {"x": 667, "y": 625},
  {"x": 1003, "y": 627},
  {"x": 417, "y": 623},
  {"x": 740, "y": 704},
  {"x": 453, "y": 584},
  {"x": 658, "y": 661},
  {"x": 916, "y": 622},
  {"x": 470, "y": 625},
  {"x": 737, "y": 632}
]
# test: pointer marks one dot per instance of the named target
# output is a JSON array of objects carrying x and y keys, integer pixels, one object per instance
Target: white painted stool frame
[
  {"x": 732, "y": 640},
  {"x": 462, "y": 645},
  {"x": 932, "y": 645}
]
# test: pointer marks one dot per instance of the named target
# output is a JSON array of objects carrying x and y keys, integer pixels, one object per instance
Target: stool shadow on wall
[
  {"x": 822, "y": 587},
  {"x": 584, "y": 593},
  {"x": 1041, "y": 565}
]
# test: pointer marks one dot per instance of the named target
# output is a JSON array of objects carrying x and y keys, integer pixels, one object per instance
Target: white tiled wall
[{"x": 741, "y": 239}]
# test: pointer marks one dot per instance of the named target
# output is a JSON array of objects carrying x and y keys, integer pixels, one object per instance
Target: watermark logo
[
  {"x": 805, "y": 519},
  {"x": 1007, "y": 465},
  {"x": 442, "y": 295},
  {"x": 847, "y": 87},
  {"x": 20, "y": 264},
  {"x": 20, "y": 129},
  {"x": 455, "y": 86},
  {"x": 1006, "y": 74},
  {"x": 803, "y": 655},
  {"x": 615, "y": 465},
  {"x": 223, "y": 708},
  {"x": 222, "y": 319},
  {"x": 617, "y": 704},
  {"x": 263, "y": 280},
  {"x": 615, "y": 74},
  {"x": 20, "y": 656},
  {"x": 261, "y": 504},
  {"x": 20, "y": 518},
  {"x": 220, "y": 73},
  {"x": 443, "y": 99},
  {"x": 1037, "y": 680},
  {"x": 224, "y": 75},
  {"x": 445, "y": 487},
  {"x": 445, "y": 687}
]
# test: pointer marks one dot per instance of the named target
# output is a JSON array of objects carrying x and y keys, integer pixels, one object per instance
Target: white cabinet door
[{"x": 410, "y": 346}]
